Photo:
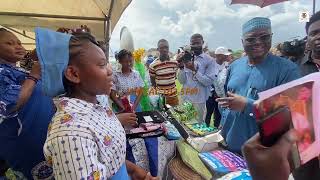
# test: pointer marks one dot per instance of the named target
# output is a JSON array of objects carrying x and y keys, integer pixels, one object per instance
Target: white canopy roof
[{"x": 22, "y": 16}]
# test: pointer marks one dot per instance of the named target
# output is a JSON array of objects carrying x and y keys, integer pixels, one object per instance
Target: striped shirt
[
  {"x": 164, "y": 73},
  {"x": 85, "y": 141}
]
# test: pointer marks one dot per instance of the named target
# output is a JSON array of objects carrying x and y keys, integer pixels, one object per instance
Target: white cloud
[
  {"x": 177, "y": 4},
  {"x": 188, "y": 23},
  {"x": 198, "y": 20},
  {"x": 291, "y": 13},
  {"x": 252, "y": 11},
  {"x": 168, "y": 24},
  {"x": 220, "y": 23},
  {"x": 142, "y": 23}
]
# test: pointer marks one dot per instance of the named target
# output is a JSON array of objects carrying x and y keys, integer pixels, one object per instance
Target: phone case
[
  {"x": 273, "y": 126},
  {"x": 279, "y": 122}
]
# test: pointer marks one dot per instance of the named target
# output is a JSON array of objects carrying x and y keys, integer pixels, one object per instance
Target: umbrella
[{"x": 260, "y": 3}]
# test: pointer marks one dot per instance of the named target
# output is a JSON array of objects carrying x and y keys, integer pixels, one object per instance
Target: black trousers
[
  {"x": 3, "y": 167},
  {"x": 212, "y": 107}
]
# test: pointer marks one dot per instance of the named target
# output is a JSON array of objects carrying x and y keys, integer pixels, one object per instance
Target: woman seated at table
[
  {"x": 127, "y": 83},
  {"x": 25, "y": 112}
]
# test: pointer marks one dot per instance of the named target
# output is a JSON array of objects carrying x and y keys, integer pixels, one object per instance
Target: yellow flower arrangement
[{"x": 137, "y": 54}]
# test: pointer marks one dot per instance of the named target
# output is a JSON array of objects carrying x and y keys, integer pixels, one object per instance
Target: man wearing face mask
[
  {"x": 197, "y": 74},
  {"x": 249, "y": 75}
]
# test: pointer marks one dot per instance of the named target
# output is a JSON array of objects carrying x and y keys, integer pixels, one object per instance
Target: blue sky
[{"x": 219, "y": 22}]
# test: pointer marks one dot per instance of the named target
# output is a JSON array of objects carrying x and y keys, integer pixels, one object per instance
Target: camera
[
  {"x": 294, "y": 48},
  {"x": 187, "y": 57},
  {"x": 180, "y": 50},
  {"x": 188, "y": 54}
]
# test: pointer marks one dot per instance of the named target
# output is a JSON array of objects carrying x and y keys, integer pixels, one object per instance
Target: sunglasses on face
[{"x": 262, "y": 38}]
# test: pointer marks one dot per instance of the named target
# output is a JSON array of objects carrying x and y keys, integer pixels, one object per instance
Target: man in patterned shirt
[{"x": 163, "y": 74}]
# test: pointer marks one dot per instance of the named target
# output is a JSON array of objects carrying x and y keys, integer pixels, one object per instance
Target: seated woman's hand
[
  {"x": 35, "y": 70},
  {"x": 128, "y": 119},
  {"x": 140, "y": 174},
  {"x": 149, "y": 177},
  {"x": 33, "y": 55},
  {"x": 137, "y": 173}
]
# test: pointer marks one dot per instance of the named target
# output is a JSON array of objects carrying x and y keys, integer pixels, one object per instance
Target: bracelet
[{"x": 32, "y": 78}]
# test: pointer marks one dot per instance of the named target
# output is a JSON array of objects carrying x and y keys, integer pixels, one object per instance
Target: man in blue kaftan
[{"x": 249, "y": 75}]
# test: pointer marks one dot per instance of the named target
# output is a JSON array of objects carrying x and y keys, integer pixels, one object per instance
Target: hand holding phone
[{"x": 272, "y": 162}]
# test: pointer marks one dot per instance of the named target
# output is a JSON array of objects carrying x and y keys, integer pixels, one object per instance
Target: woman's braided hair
[
  {"x": 76, "y": 45},
  {"x": 122, "y": 54}
]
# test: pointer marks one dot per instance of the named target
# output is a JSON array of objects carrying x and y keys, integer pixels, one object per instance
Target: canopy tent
[
  {"x": 260, "y": 3},
  {"x": 22, "y": 16}
]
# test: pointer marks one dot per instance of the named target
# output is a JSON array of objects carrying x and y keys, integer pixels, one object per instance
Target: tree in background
[{"x": 237, "y": 54}]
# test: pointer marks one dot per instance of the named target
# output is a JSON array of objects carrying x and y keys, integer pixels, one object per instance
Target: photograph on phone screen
[{"x": 299, "y": 101}]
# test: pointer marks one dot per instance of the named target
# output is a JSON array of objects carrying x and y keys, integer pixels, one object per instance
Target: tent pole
[
  {"x": 107, "y": 33},
  {"x": 22, "y": 34},
  {"x": 314, "y": 6},
  {"x": 107, "y": 36}
]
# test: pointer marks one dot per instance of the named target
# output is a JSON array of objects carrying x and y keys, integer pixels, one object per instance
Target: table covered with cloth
[{"x": 151, "y": 153}]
